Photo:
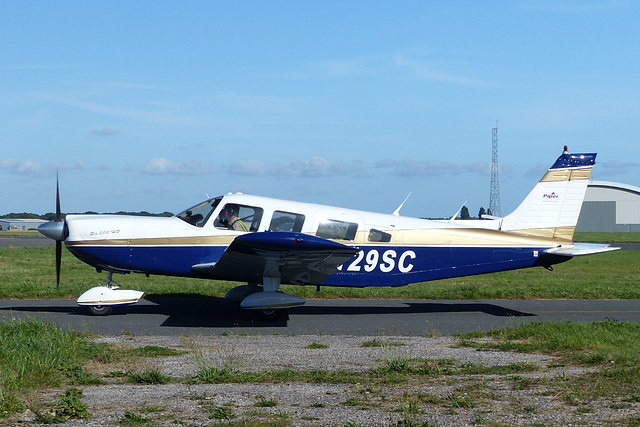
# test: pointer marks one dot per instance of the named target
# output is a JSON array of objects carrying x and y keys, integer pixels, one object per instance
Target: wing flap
[{"x": 301, "y": 258}]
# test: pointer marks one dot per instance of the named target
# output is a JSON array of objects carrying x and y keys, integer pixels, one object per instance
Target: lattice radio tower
[{"x": 494, "y": 197}]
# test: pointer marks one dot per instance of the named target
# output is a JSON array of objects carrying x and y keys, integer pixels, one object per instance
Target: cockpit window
[
  {"x": 199, "y": 214},
  {"x": 239, "y": 217}
]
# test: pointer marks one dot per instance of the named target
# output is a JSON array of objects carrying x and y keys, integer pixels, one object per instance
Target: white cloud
[
  {"x": 29, "y": 168},
  {"x": 416, "y": 168},
  {"x": 22, "y": 167},
  {"x": 316, "y": 167},
  {"x": 162, "y": 166}
]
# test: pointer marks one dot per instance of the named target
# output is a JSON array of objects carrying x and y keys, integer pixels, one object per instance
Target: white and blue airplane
[{"x": 267, "y": 242}]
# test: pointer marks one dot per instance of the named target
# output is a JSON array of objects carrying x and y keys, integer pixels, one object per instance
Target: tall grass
[{"x": 35, "y": 354}]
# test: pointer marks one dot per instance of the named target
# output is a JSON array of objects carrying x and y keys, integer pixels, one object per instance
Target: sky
[{"x": 154, "y": 106}]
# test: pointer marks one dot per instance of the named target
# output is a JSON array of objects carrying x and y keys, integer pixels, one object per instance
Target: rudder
[{"x": 553, "y": 206}]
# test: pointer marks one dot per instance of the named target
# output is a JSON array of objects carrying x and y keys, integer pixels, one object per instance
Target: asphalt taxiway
[{"x": 206, "y": 315}]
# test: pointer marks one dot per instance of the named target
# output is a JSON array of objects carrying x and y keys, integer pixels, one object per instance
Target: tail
[{"x": 552, "y": 208}]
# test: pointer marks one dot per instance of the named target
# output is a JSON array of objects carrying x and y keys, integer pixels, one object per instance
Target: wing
[{"x": 300, "y": 258}]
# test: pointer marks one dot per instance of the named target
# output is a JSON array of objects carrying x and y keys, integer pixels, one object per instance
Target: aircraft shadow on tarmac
[{"x": 206, "y": 311}]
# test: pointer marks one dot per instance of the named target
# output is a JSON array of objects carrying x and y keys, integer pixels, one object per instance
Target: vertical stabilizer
[{"x": 553, "y": 206}]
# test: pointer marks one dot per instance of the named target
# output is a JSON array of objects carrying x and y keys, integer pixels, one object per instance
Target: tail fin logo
[{"x": 553, "y": 195}]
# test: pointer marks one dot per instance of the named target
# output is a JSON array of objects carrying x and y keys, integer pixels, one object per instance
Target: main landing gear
[{"x": 266, "y": 300}]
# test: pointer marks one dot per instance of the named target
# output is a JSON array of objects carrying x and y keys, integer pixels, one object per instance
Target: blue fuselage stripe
[{"x": 373, "y": 266}]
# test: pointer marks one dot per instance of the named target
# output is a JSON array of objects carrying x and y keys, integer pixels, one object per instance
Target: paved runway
[
  {"x": 205, "y": 315},
  {"x": 24, "y": 241}
]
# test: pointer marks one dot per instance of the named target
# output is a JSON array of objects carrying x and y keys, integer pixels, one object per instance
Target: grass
[
  {"x": 35, "y": 354},
  {"x": 612, "y": 347},
  {"x": 316, "y": 345},
  {"x": 149, "y": 377},
  {"x": 604, "y": 237},
  {"x": 69, "y": 406},
  {"x": 133, "y": 419},
  {"x": 30, "y": 273},
  {"x": 153, "y": 351}
]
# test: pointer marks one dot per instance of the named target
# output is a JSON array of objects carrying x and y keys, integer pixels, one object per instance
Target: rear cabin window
[
  {"x": 379, "y": 236},
  {"x": 239, "y": 217},
  {"x": 338, "y": 230},
  {"x": 286, "y": 221}
]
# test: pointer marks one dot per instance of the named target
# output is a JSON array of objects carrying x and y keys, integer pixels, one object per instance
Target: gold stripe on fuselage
[
  {"x": 157, "y": 241},
  {"x": 474, "y": 237},
  {"x": 427, "y": 237}
]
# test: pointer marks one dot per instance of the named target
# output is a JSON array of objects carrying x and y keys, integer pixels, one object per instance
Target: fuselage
[{"x": 393, "y": 250}]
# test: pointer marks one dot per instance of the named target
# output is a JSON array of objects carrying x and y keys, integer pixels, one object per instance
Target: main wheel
[
  {"x": 268, "y": 315},
  {"x": 100, "y": 310}
]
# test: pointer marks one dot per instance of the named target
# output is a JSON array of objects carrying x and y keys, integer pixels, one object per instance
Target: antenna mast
[{"x": 494, "y": 197}]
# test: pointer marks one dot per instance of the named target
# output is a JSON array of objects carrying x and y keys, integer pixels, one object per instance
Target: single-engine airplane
[{"x": 267, "y": 242}]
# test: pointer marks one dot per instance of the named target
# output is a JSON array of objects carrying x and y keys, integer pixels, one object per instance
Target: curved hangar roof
[{"x": 610, "y": 207}]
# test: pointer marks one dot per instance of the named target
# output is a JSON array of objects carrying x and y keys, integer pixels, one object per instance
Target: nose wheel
[{"x": 100, "y": 310}]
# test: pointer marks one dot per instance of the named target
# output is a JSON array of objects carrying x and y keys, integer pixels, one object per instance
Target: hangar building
[
  {"x": 20, "y": 224},
  {"x": 610, "y": 207}
]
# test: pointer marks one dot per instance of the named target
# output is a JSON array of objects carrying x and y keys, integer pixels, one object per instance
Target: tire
[
  {"x": 268, "y": 315},
  {"x": 100, "y": 310}
]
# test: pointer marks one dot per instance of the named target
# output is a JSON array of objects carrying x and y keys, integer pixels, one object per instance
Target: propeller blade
[
  {"x": 58, "y": 262},
  {"x": 61, "y": 230},
  {"x": 58, "y": 213}
]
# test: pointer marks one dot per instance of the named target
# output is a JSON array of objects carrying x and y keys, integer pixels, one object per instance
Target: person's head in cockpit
[{"x": 230, "y": 217}]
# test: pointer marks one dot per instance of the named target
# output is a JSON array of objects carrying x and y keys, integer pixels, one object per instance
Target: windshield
[{"x": 199, "y": 214}]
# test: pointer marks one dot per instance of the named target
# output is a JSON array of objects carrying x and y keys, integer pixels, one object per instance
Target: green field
[
  {"x": 30, "y": 273},
  {"x": 35, "y": 356}
]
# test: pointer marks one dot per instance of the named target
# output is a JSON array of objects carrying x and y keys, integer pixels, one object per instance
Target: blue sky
[{"x": 153, "y": 105}]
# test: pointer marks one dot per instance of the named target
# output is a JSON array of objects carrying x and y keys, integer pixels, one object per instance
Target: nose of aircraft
[{"x": 53, "y": 229}]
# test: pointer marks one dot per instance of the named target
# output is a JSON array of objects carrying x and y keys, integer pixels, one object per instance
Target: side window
[
  {"x": 339, "y": 230},
  {"x": 286, "y": 221},
  {"x": 379, "y": 236},
  {"x": 239, "y": 218}
]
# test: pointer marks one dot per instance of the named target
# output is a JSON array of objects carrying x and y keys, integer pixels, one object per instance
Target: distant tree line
[{"x": 51, "y": 215}]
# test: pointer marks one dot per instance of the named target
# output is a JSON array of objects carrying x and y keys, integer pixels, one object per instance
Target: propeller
[{"x": 57, "y": 231}]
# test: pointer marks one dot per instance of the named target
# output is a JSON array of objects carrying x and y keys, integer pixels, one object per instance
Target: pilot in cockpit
[{"x": 229, "y": 219}]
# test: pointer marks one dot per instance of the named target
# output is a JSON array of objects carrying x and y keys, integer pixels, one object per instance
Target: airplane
[{"x": 267, "y": 242}]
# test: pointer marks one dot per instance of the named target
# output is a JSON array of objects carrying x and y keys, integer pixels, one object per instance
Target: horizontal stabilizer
[
  {"x": 579, "y": 249},
  {"x": 485, "y": 216}
]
